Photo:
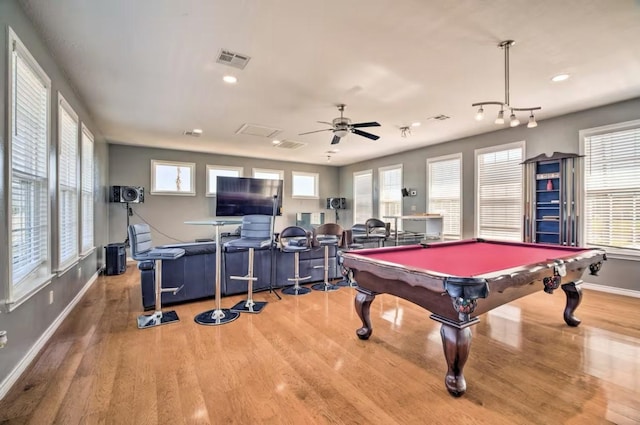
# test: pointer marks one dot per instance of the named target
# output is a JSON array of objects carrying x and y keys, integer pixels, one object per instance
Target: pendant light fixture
[{"x": 513, "y": 120}]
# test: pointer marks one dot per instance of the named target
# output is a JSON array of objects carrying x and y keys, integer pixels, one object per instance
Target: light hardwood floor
[{"x": 300, "y": 362}]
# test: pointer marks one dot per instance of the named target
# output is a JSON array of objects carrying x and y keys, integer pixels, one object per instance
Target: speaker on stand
[
  {"x": 127, "y": 195},
  {"x": 336, "y": 204}
]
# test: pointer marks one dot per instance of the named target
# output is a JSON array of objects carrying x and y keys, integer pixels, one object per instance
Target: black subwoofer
[{"x": 116, "y": 259}]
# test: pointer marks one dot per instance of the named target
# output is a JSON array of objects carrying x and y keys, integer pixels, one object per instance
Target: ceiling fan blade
[
  {"x": 315, "y": 131},
  {"x": 335, "y": 140},
  {"x": 365, "y": 124},
  {"x": 365, "y": 134},
  {"x": 324, "y": 122}
]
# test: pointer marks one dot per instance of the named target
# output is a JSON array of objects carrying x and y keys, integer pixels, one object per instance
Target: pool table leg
[
  {"x": 363, "y": 302},
  {"x": 456, "y": 343},
  {"x": 574, "y": 295}
]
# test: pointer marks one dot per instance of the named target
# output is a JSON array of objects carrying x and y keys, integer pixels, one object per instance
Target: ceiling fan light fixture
[{"x": 341, "y": 133}]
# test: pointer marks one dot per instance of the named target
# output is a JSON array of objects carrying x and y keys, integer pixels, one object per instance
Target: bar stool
[
  {"x": 255, "y": 233},
  {"x": 326, "y": 235},
  {"x": 295, "y": 239},
  {"x": 347, "y": 274},
  {"x": 375, "y": 230},
  {"x": 141, "y": 250}
]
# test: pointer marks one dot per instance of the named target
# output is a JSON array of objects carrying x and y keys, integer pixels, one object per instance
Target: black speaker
[
  {"x": 116, "y": 259},
  {"x": 336, "y": 203},
  {"x": 130, "y": 194}
]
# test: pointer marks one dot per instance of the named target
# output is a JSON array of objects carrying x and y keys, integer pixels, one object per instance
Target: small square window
[
  {"x": 304, "y": 185},
  {"x": 173, "y": 178}
]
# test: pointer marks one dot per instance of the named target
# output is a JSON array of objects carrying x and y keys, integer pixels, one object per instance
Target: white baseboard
[
  {"x": 611, "y": 290},
  {"x": 24, "y": 363}
]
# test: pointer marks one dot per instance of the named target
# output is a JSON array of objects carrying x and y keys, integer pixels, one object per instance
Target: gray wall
[
  {"x": 166, "y": 214},
  {"x": 557, "y": 134},
  {"x": 28, "y": 322}
]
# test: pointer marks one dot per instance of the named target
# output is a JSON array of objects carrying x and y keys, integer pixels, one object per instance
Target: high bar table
[{"x": 217, "y": 316}]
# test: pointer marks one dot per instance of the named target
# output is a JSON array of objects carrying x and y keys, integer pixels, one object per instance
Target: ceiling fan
[{"x": 342, "y": 126}]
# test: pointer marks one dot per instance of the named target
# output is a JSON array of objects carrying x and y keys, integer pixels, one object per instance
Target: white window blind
[
  {"x": 29, "y": 90},
  {"x": 445, "y": 191},
  {"x": 499, "y": 192},
  {"x": 362, "y": 196},
  {"x": 612, "y": 189},
  {"x": 87, "y": 165},
  {"x": 213, "y": 171},
  {"x": 67, "y": 184},
  {"x": 390, "y": 202}
]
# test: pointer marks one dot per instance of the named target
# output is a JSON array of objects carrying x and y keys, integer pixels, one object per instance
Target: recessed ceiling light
[
  {"x": 560, "y": 77},
  {"x": 275, "y": 142},
  {"x": 229, "y": 79},
  {"x": 415, "y": 124},
  {"x": 196, "y": 132}
]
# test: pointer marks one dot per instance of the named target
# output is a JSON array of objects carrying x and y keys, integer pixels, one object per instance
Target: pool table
[{"x": 459, "y": 280}]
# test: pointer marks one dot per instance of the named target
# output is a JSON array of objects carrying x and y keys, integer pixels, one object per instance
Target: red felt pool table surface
[{"x": 469, "y": 258}]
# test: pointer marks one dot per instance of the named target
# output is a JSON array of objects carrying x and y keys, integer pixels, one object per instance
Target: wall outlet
[{"x": 50, "y": 297}]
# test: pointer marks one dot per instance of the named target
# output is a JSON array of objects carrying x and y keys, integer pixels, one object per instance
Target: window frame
[
  {"x": 381, "y": 189},
  {"x": 64, "y": 264},
  {"x": 87, "y": 218},
  {"x": 211, "y": 193},
  {"x": 192, "y": 171},
  {"x": 41, "y": 276},
  {"x": 280, "y": 174},
  {"x": 612, "y": 251},
  {"x": 498, "y": 148},
  {"x": 316, "y": 184},
  {"x": 357, "y": 174},
  {"x": 430, "y": 162}
]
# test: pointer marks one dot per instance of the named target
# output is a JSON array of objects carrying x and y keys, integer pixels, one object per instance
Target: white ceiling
[{"x": 147, "y": 69}]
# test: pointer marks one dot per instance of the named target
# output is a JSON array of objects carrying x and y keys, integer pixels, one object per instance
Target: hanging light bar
[{"x": 513, "y": 120}]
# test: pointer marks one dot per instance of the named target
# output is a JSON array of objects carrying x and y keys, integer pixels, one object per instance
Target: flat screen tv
[{"x": 237, "y": 196}]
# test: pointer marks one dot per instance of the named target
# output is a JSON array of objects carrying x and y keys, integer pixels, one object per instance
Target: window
[
  {"x": 304, "y": 185},
  {"x": 444, "y": 191},
  {"x": 612, "y": 187},
  {"x": 29, "y": 223},
  {"x": 213, "y": 171},
  {"x": 67, "y": 184},
  {"x": 362, "y": 196},
  {"x": 86, "y": 164},
  {"x": 499, "y": 192},
  {"x": 173, "y": 178},
  {"x": 261, "y": 173},
  {"x": 390, "y": 202}
]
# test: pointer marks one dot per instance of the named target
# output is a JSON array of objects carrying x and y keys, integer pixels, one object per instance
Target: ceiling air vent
[
  {"x": 258, "y": 130},
  {"x": 236, "y": 60},
  {"x": 290, "y": 144}
]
